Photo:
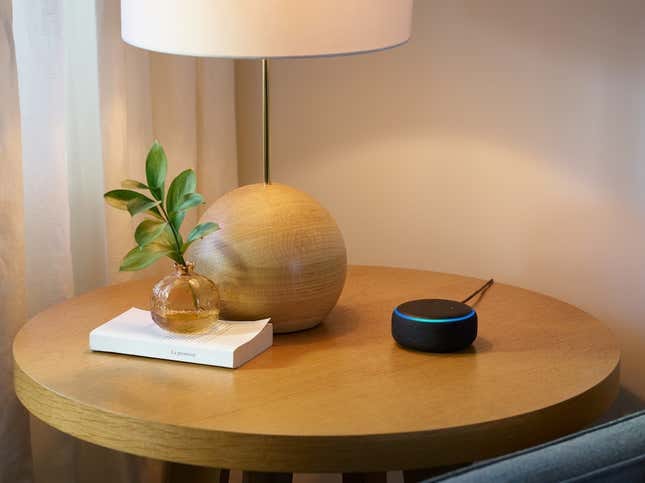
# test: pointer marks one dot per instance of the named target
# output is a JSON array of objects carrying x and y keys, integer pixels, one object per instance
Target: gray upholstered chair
[{"x": 611, "y": 452}]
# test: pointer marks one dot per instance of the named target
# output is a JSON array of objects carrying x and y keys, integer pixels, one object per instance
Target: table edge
[{"x": 289, "y": 453}]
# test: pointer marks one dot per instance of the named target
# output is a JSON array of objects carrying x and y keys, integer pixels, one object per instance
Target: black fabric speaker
[{"x": 434, "y": 325}]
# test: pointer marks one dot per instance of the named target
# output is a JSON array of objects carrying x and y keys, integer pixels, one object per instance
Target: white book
[{"x": 227, "y": 344}]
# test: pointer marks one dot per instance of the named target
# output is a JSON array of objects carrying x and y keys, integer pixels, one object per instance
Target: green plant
[{"x": 158, "y": 234}]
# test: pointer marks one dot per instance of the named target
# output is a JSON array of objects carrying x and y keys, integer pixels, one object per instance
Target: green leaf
[
  {"x": 200, "y": 231},
  {"x": 121, "y": 199},
  {"x": 189, "y": 201},
  {"x": 139, "y": 258},
  {"x": 148, "y": 230},
  {"x": 130, "y": 183},
  {"x": 169, "y": 238},
  {"x": 166, "y": 241},
  {"x": 155, "y": 213},
  {"x": 139, "y": 205},
  {"x": 156, "y": 169},
  {"x": 185, "y": 183}
]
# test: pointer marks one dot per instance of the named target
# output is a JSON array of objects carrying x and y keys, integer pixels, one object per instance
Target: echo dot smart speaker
[{"x": 434, "y": 325}]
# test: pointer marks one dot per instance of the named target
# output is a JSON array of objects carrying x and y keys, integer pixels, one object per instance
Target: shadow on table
[
  {"x": 341, "y": 321},
  {"x": 480, "y": 346}
]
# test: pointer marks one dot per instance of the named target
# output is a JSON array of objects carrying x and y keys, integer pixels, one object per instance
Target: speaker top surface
[{"x": 434, "y": 310}]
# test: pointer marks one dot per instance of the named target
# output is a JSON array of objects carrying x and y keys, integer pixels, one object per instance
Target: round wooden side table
[{"x": 342, "y": 397}]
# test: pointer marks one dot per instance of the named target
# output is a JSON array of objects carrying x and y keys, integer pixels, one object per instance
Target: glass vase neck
[{"x": 186, "y": 269}]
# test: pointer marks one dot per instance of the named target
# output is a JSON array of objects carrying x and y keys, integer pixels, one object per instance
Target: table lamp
[{"x": 278, "y": 253}]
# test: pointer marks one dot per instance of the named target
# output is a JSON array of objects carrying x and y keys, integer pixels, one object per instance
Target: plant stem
[
  {"x": 195, "y": 298},
  {"x": 180, "y": 257},
  {"x": 175, "y": 234}
]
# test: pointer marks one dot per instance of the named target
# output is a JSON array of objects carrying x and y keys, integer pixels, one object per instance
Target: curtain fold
[
  {"x": 80, "y": 110},
  {"x": 15, "y": 451}
]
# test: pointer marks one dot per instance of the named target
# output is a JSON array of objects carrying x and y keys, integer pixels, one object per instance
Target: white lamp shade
[{"x": 265, "y": 28}]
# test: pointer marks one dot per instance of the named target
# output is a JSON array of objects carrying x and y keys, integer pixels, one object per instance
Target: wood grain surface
[
  {"x": 277, "y": 253},
  {"x": 341, "y": 397}
]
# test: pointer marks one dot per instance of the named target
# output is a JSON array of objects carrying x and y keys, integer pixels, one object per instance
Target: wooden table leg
[
  {"x": 376, "y": 477},
  {"x": 180, "y": 473},
  {"x": 261, "y": 477}
]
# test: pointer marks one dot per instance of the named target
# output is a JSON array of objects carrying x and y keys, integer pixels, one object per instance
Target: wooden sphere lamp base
[{"x": 278, "y": 254}]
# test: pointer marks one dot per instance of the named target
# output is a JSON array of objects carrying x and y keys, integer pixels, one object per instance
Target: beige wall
[{"x": 507, "y": 139}]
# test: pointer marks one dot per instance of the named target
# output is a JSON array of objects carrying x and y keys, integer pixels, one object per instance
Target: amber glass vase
[{"x": 185, "y": 302}]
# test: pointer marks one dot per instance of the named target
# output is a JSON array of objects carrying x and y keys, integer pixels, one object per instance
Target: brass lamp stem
[{"x": 265, "y": 120}]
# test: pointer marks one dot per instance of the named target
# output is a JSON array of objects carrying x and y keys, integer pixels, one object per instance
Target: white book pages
[{"x": 227, "y": 344}]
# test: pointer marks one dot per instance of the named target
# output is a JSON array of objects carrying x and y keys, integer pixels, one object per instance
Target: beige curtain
[
  {"x": 79, "y": 111},
  {"x": 15, "y": 458}
]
